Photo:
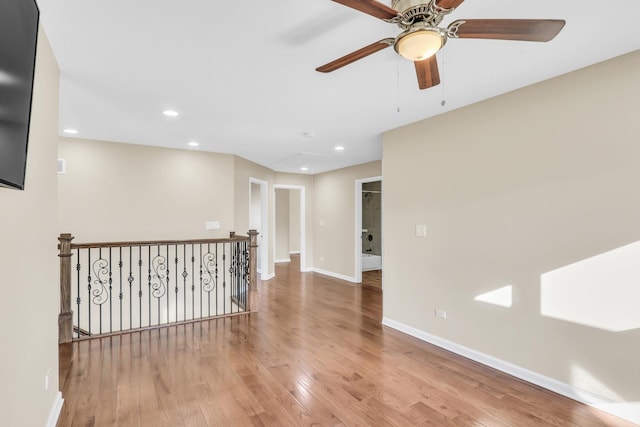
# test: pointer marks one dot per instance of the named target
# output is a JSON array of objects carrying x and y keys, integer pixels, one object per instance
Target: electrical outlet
[{"x": 441, "y": 314}]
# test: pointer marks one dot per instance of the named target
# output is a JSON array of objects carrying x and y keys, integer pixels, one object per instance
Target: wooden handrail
[{"x": 232, "y": 238}]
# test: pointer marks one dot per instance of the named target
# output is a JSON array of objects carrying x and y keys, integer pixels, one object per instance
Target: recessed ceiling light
[
  {"x": 304, "y": 168},
  {"x": 339, "y": 148},
  {"x": 193, "y": 144},
  {"x": 170, "y": 113},
  {"x": 70, "y": 131}
]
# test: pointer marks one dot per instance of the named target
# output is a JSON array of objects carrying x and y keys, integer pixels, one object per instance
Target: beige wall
[
  {"x": 334, "y": 217},
  {"x": 282, "y": 225},
  {"x": 29, "y": 264},
  {"x": 115, "y": 192},
  {"x": 294, "y": 221},
  {"x": 510, "y": 189}
]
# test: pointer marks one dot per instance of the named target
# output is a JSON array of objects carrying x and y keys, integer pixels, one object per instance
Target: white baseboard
[
  {"x": 282, "y": 260},
  {"x": 627, "y": 410},
  {"x": 332, "y": 274},
  {"x": 267, "y": 276},
  {"x": 54, "y": 414}
]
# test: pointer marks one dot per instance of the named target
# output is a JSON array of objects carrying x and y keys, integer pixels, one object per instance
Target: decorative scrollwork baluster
[
  {"x": 100, "y": 269},
  {"x": 210, "y": 270},
  {"x": 159, "y": 266}
]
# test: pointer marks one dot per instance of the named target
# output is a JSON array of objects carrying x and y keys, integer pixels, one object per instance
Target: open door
[{"x": 368, "y": 232}]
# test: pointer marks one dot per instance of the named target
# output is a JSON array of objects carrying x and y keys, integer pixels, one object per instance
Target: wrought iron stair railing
[{"x": 115, "y": 287}]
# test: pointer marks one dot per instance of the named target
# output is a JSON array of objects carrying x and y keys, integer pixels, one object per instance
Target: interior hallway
[{"x": 315, "y": 354}]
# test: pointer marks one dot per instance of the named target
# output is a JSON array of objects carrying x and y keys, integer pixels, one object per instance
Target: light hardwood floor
[
  {"x": 315, "y": 354},
  {"x": 372, "y": 280}
]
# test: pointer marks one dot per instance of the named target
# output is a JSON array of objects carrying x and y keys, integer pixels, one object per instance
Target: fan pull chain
[
  {"x": 398, "y": 84},
  {"x": 443, "y": 79}
]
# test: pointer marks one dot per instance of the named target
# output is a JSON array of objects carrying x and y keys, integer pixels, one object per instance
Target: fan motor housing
[
  {"x": 416, "y": 10},
  {"x": 404, "y": 5}
]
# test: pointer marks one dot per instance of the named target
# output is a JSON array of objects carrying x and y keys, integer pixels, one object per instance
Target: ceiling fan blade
[
  {"x": 427, "y": 72},
  {"x": 449, "y": 4},
  {"x": 370, "y": 7},
  {"x": 354, "y": 56},
  {"x": 534, "y": 30}
]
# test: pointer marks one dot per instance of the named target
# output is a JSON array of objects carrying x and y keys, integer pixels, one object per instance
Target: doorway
[
  {"x": 368, "y": 233},
  {"x": 289, "y": 214}
]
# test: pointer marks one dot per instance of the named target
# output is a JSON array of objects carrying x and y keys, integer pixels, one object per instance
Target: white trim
[
  {"x": 282, "y": 260},
  {"x": 264, "y": 220},
  {"x": 332, "y": 274},
  {"x": 358, "y": 230},
  {"x": 56, "y": 408},
  {"x": 294, "y": 253},
  {"x": 626, "y": 410},
  {"x": 268, "y": 276}
]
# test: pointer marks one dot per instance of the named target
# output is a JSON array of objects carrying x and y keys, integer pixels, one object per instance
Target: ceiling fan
[{"x": 421, "y": 37}]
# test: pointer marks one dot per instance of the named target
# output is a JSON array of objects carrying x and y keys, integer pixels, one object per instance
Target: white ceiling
[{"x": 244, "y": 79}]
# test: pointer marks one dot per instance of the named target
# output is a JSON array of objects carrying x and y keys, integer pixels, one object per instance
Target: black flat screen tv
[{"x": 18, "y": 37}]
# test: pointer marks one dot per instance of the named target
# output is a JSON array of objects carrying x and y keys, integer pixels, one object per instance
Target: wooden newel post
[
  {"x": 65, "y": 318},
  {"x": 253, "y": 271}
]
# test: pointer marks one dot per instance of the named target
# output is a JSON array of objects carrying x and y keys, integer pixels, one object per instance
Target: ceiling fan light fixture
[{"x": 420, "y": 41}]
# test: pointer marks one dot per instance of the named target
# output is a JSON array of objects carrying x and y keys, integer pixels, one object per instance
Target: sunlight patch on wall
[
  {"x": 501, "y": 296},
  {"x": 602, "y": 291}
]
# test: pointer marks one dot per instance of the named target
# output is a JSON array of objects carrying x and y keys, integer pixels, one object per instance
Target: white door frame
[
  {"x": 303, "y": 228},
  {"x": 264, "y": 223},
  {"x": 358, "y": 230}
]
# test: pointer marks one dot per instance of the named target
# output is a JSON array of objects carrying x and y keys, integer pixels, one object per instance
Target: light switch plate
[
  {"x": 421, "y": 230},
  {"x": 212, "y": 225}
]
